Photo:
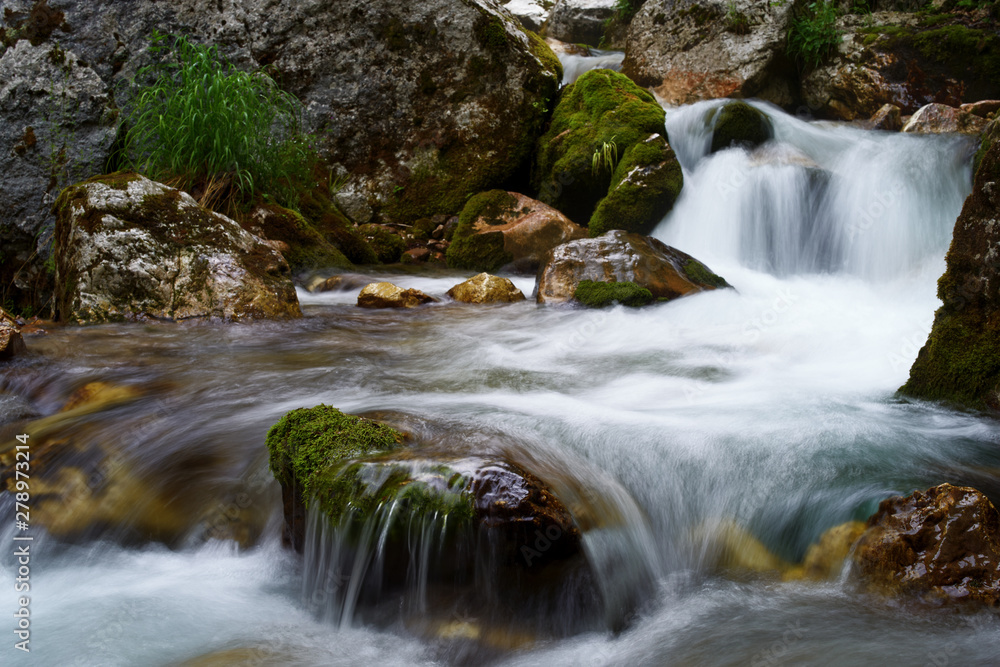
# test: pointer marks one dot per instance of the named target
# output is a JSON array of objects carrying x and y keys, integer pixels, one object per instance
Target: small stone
[
  {"x": 416, "y": 255},
  {"x": 942, "y": 119},
  {"x": 888, "y": 118},
  {"x": 484, "y": 288},
  {"x": 438, "y": 232},
  {"x": 387, "y": 295}
]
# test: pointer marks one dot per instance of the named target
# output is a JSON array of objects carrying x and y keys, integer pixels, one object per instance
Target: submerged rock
[
  {"x": 623, "y": 257},
  {"x": 484, "y": 288},
  {"x": 739, "y": 124},
  {"x": 598, "y": 121},
  {"x": 941, "y": 118},
  {"x": 960, "y": 362},
  {"x": 129, "y": 248},
  {"x": 387, "y": 295},
  {"x": 691, "y": 50},
  {"x": 498, "y": 228},
  {"x": 942, "y": 544}
]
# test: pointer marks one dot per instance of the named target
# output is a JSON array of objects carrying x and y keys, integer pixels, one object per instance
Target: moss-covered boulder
[
  {"x": 128, "y": 248},
  {"x": 387, "y": 244},
  {"x": 597, "y": 121},
  {"x": 600, "y": 294},
  {"x": 739, "y": 124},
  {"x": 941, "y": 545},
  {"x": 960, "y": 363},
  {"x": 621, "y": 257},
  {"x": 499, "y": 228},
  {"x": 643, "y": 189},
  {"x": 990, "y": 135},
  {"x": 308, "y": 249}
]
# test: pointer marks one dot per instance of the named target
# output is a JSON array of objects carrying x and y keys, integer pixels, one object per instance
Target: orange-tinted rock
[
  {"x": 484, "y": 288},
  {"x": 888, "y": 118},
  {"x": 623, "y": 257},
  {"x": 387, "y": 295},
  {"x": 942, "y": 544},
  {"x": 11, "y": 342},
  {"x": 942, "y": 119}
]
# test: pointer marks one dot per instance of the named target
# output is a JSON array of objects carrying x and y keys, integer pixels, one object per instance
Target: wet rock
[
  {"x": 416, "y": 256},
  {"x": 498, "y": 228},
  {"x": 387, "y": 295},
  {"x": 942, "y": 544},
  {"x": 339, "y": 283},
  {"x": 11, "y": 341},
  {"x": 941, "y": 119},
  {"x": 982, "y": 108},
  {"x": 129, "y": 248},
  {"x": 623, "y": 257},
  {"x": 57, "y": 125},
  {"x": 739, "y": 124},
  {"x": 602, "y": 294},
  {"x": 644, "y": 187},
  {"x": 484, "y": 288},
  {"x": 904, "y": 61},
  {"x": 579, "y": 21},
  {"x": 990, "y": 136},
  {"x": 691, "y": 50},
  {"x": 825, "y": 558},
  {"x": 889, "y": 118},
  {"x": 99, "y": 396},
  {"x": 595, "y": 126},
  {"x": 531, "y": 13},
  {"x": 960, "y": 362}
]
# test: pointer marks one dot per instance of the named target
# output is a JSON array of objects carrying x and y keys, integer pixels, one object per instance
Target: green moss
[
  {"x": 490, "y": 33},
  {"x": 305, "y": 443},
  {"x": 643, "y": 189},
  {"x": 308, "y": 248},
  {"x": 990, "y": 136},
  {"x": 699, "y": 273},
  {"x": 388, "y": 247},
  {"x": 597, "y": 294},
  {"x": 544, "y": 53},
  {"x": 601, "y": 107},
  {"x": 738, "y": 123},
  {"x": 484, "y": 251}
]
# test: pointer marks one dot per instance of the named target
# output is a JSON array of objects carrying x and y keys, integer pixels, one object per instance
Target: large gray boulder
[
  {"x": 128, "y": 248},
  {"x": 580, "y": 21},
  {"x": 690, "y": 50},
  {"x": 416, "y": 103},
  {"x": 57, "y": 124}
]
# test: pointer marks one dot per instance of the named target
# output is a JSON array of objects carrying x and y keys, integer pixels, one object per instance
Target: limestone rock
[
  {"x": 579, "y": 21},
  {"x": 623, "y": 257},
  {"x": 57, "y": 124},
  {"x": 941, "y": 118},
  {"x": 11, "y": 342},
  {"x": 942, "y": 544},
  {"x": 983, "y": 108},
  {"x": 387, "y": 295},
  {"x": 896, "y": 59},
  {"x": 691, "y": 50},
  {"x": 960, "y": 362},
  {"x": 498, "y": 228},
  {"x": 888, "y": 117},
  {"x": 531, "y": 13},
  {"x": 484, "y": 288},
  {"x": 129, "y": 248}
]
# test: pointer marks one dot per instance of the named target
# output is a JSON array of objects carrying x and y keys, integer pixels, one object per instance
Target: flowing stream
[{"x": 770, "y": 406}]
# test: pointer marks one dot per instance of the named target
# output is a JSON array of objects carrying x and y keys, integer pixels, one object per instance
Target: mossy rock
[
  {"x": 479, "y": 251},
  {"x": 603, "y": 112},
  {"x": 306, "y": 442},
  {"x": 600, "y": 294},
  {"x": 388, "y": 246},
  {"x": 990, "y": 135},
  {"x": 319, "y": 210},
  {"x": 739, "y": 124},
  {"x": 644, "y": 187},
  {"x": 308, "y": 248}
]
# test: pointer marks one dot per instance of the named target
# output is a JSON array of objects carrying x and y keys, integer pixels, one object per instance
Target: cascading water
[{"x": 765, "y": 413}]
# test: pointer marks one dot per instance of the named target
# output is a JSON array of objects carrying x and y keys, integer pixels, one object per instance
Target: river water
[{"x": 772, "y": 406}]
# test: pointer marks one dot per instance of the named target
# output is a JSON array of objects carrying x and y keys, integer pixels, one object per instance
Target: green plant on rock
[
  {"x": 605, "y": 157},
  {"x": 200, "y": 122},
  {"x": 814, "y": 35},
  {"x": 736, "y": 21}
]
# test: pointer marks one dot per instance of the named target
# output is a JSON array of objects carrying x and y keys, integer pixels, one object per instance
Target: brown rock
[
  {"x": 338, "y": 283},
  {"x": 485, "y": 288},
  {"x": 942, "y": 544},
  {"x": 11, "y": 342},
  {"x": 941, "y": 119},
  {"x": 982, "y": 108},
  {"x": 387, "y": 295},
  {"x": 416, "y": 255},
  {"x": 888, "y": 118},
  {"x": 623, "y": 257}
]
